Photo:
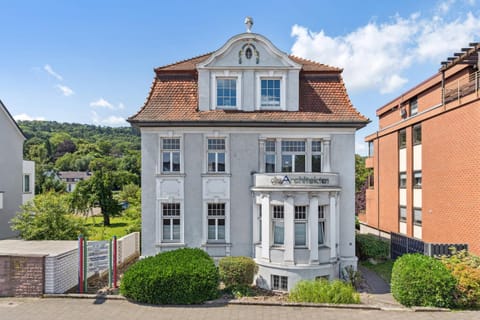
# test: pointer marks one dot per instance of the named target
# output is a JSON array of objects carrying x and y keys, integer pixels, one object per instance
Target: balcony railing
[{"x": 462, "y": 87}]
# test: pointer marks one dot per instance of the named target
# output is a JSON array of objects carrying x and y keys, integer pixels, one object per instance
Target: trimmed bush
[
  {"x": 237, "y": 271},
  {"x": 465, "y": 268},
  {"x": 371, "y": 246},
  {"x": 324, "y": 291},
  {"x": 418, "y": 280},
  {"x": 183, "y": 276}
]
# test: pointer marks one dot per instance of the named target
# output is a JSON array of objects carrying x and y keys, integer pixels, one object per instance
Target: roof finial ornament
[{"x": 249, "y": 24}]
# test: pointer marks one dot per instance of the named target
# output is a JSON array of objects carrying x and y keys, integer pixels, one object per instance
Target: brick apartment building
[{"x": 426, "y": 158}]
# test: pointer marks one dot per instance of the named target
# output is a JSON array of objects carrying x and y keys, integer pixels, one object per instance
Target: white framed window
[
  {"x": 171, "y": 222},
  {"x": 216, "y": 222},
  {"x": 300, "y": 225},
  {"x": 270, "y": 92},
  {"x": 316, "y": 156},
  {"x": 26, "y": 183},
  {"x": 279, "y": 282},
  {"x": 270, "y": 156},
  {"x": 216, "y": 149},
  {"x": 322, "y": 221},
  {"x": 226, "y": 92},
  {"x": 270, "y": 87},
  {"x": 259, "y": 221},
  {"x": 170, "y": 155},
  {"x": 278, "y": 225},
  {"x": 293, "y": 156}
]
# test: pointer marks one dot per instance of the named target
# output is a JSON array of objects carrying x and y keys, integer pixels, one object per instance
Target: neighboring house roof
[
  {"x": 13, "y": 122},
  {"x": 173, "y": 100},
  {"x": 74, "y": 174}
]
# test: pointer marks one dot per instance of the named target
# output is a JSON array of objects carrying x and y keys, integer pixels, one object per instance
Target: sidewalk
[{"x": 377, "y": 291}]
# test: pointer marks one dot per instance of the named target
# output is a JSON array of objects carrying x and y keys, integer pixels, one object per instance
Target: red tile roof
[{"x": 173, "y": 99}]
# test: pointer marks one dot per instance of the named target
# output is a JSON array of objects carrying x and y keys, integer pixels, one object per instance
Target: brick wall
[
  {"x": 451, "y": 177},
  {"x": 21, "y": 276}
]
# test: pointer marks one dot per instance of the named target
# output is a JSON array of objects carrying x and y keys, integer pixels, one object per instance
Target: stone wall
[{"x": 22, "y": 276}]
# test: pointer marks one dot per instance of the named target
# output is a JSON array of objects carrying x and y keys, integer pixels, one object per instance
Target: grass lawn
[
  {"x": 383, "y": 269},
  {"x": 118, "y": 227}
]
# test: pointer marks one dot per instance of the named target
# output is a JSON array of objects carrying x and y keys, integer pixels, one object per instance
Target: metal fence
[{"x": 401, "y": 244}]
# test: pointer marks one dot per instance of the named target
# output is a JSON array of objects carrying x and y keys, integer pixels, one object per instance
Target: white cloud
[
  {"x": 65, "y": 90},
  {"x": 108, "y": 121},
  {"x": 26, "y": 117},
  {"x": 102, "y": 103},
  {"x": 50, "y": 71},
  {"x": 377, "y": 56}
]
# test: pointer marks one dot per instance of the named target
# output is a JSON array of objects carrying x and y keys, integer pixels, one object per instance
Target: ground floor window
[
  {"x": 279, "y": 283},
  {"x": 300, "y": 225},
  {"x": 171, "y": 221},
  {"x": 216, "y": 221},
  {"x": 278, "y": 225},
  {"x": 321, "y": 225}
]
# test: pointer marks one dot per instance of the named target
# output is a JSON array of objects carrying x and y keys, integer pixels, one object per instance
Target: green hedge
[
  {"x": 237, "y": 271},
  {"x": 419, "y": 280},
  {"x": 324, "y": 291},
  {"x": 371, "y": 246},
  {"x": 183, "y": 276}
]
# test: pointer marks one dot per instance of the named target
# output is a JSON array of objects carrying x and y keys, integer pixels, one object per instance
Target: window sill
[
  {"x": 171, "y": 174},
  {"x": 216, "y": 244},
  {"x": 216, "y": 174},
  {"x": 170, "y": 244}
]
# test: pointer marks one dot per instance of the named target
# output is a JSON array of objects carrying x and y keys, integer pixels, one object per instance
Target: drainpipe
[{"x": 443, "y": 88}]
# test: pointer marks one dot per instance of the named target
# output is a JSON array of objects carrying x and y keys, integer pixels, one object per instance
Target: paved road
[{"x": 88, "y": 309}]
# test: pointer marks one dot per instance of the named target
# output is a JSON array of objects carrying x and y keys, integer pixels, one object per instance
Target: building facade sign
[{"x": 296, "y": 179}]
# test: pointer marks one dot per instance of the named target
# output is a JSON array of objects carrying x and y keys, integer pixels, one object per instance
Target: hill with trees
[{"x": 73, "y": 147}]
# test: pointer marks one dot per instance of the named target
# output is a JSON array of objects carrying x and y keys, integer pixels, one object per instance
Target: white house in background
[
  {"x": 28, "y": 181},
  {"x": 17, "y": 178},
  {"x": 71, "y": 178},
  {"x": 248, "y": 151}
]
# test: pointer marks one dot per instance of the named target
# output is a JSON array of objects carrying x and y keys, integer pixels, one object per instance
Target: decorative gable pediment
[
  {"x": 248, "y": 73},
  {"x": 248, "y": 50}
]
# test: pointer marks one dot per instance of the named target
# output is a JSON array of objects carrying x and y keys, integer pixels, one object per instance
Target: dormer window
[
  {"x": 270, "y": 92},
  {"x": 226, "y": 92}
]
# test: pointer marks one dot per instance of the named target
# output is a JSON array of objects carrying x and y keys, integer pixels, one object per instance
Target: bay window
[
  {"x": 321, "y": 225},
  {"x": 278, "y": 225},
  {"x": 316, "y": 156},
  {"x": 293, "y": 156},
  {"x": 270, "y": 157},
  {"x": 300, "y": 225}
]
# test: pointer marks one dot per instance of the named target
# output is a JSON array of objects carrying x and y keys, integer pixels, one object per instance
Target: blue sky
[{"x": 92, "y": 61}]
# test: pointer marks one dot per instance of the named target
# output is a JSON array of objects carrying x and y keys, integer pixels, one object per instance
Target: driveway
[{"x": 90, "y": 309}]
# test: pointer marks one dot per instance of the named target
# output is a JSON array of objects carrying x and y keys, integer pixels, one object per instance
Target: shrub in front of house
[
  {"x": 182, "y": 276},
  {"x": 465, "y": 268},
  {"x": 419, "y": 280},
  {"x": 237, "y": 271},
  {"x": 371, "y": 246},
  {"x": 324, "y": 291}
]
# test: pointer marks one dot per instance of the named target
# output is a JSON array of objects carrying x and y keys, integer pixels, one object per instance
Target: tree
[
  {"x": 98, "y": 190},
  {"x": 47, "y": 217},
  {"x": 361, "y": 172}
]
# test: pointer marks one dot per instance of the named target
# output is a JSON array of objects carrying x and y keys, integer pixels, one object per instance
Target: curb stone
[{"x": 261, "y": 303}]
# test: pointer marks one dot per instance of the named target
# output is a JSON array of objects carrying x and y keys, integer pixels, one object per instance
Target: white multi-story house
[
  {"x": 17, "y": 177},
  {"x": 250, "y": 151}
]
